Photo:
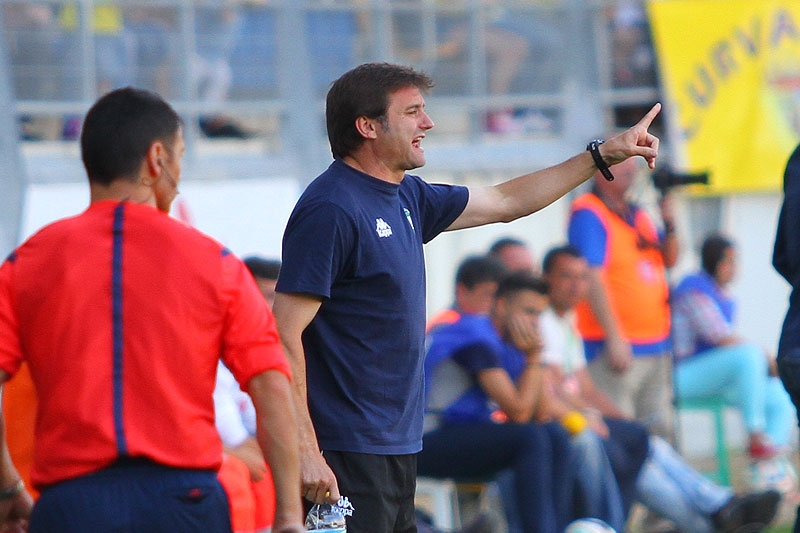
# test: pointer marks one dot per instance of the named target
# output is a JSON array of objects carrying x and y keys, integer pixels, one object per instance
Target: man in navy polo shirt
[{"x": 350, "y": 303}]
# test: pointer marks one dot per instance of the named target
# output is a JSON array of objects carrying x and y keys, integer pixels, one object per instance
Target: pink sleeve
[
  {"x": 250, "y": 343},
  {"x": 10, "y": 345}
]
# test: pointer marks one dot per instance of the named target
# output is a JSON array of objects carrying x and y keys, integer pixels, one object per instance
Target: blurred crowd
[{"x": 216, "y": 50}]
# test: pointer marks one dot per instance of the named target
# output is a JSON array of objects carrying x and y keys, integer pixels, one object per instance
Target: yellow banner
[{"x": 731, "y": 73}]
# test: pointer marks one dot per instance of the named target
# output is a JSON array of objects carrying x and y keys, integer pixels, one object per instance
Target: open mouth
[{"x": 417, "y": 142}]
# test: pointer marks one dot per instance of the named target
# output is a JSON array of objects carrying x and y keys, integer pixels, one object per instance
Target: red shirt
[{"x": 122, "y": 314}]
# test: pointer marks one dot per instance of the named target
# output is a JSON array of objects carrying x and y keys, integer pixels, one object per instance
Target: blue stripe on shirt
[{"x": 116, "y": 325}]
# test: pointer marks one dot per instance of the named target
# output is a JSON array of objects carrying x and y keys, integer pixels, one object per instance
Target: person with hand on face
[
  {"x": 122, "y": 314},
  {"x": 350, "y": 306},
  {"x": 484, "y": 388},
  {"x": 625, "y": 319}
]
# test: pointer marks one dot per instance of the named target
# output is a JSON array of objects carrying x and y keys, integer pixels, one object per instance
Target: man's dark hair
[
  {"x": 553, "y": 254},
  {"x": 712, "y": 252},
  {"x": 479, "y": 269},
  {"x": 119, "y": 129},
  {"x": 263, "y": 268},
  {"x": 364, "y": 91},
  {"x": 504, "y": 243},
  {"x": 521, "y": 281}
]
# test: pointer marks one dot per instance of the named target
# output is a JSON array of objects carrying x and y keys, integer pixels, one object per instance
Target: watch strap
[{"x": 594, "y": 148}]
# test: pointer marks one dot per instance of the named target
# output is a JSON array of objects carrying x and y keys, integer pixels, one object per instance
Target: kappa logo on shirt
[{"x": 382, "y": 228}]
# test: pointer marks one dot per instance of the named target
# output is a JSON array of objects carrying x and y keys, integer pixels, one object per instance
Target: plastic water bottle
[{"x": 327, "y": 518}]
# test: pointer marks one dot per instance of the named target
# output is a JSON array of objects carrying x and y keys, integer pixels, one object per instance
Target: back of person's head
[
  {"x": 120, "y": 128},
  {"x": 263, "y": 268},
  {"x": 501, "y": 244},
  {"x": 479, "y": 269},
  {"x": 521, "y": 281},
  {"x": 554, "y": 254},
  {"x": 364, "y": 91},
  {"x": 514, "y": 254},
  {"x": 713, "y": 251}
]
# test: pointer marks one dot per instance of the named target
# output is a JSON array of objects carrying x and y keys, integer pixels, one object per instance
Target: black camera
[{"x": 664, "y": 179}]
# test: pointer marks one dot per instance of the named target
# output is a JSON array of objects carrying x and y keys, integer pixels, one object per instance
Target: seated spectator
[
  {"x": 217, "y": 26},
  {"x": 514, "y": 254},
  {"x": 666, "y": 483},
  {"x": 244, "y": 473},
  {"x": 476, "y": 283},
  {"x": 713, "y": 361},
  {"x": 476, "y": 365}
]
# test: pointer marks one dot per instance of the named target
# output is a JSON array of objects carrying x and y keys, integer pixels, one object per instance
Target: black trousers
[
  {"x": 380, "y": 488},
  {"x": 789, "y": 370}
]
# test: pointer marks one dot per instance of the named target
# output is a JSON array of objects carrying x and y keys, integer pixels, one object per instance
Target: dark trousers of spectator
[
  {"x": 627, "y": 447},
  {"x": 537, "y": 454},
  {"x": 132, "y": 496},
  {"x": 789, "y": 370}
]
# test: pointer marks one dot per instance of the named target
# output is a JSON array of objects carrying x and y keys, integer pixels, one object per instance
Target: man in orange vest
[{"x": 625, "y": 319}]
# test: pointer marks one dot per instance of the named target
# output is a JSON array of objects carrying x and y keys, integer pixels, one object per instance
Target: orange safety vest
[{"x": 634, "y": 278}]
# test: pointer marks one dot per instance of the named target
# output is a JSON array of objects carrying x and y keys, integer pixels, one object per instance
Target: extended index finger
[{"x": 648, "y": 118}]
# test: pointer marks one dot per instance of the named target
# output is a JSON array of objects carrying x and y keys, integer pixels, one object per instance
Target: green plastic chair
[{"x": 716, "y": 406}]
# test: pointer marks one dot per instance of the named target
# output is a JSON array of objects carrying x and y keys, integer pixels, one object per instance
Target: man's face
[
  {"x": 569, "y": 282},
  {"x": 624, "y": 174},
  {"x": 517, "y": 258},
  {"x": 166, "y": 188},
  {"x": 524, "y": 306},
  {"x": 726, "y": 268},
  {"x": 267, "y": 288},
  {"x": 478, "y": 300},
  {"x": 399, "y": 137}
]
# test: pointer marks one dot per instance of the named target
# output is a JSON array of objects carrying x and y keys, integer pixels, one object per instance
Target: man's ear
[
  {"x": 155, "y": 158},
  {"x": 367, "y": 127}
]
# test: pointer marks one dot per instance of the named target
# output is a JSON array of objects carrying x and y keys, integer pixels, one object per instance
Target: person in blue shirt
[
  {"x": 351, "y": 294},
  {"x": 484, "y": 384}
]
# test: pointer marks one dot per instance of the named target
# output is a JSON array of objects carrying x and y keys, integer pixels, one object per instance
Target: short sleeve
[
  {"x": 250, "y": 342},
  {"x": 10, "y": 345},
  {"x": 317, "y": 247},
  {"x": 228, "y": 417},
  {"x": 552, "y": 341},
  {"x": 588, "y": 235},
  {"x": 440, "y": 205},
  {"x": 477, "y": 357}
]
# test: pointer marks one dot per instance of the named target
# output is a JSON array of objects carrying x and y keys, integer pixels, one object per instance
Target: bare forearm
[
  {"x": 277, "y": 437},
  {"x": 529, "y": 393},
  {"x": 600, "y": 304},
  {"x": 524, "y": 194},
  {"x": 670, "y": 249},
  {"x": 531, "y": 192},
  {"x": 296, "y": 356}
]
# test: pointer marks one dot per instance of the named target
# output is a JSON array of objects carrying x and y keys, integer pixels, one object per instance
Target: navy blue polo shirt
[{"x": 356, "y": 241}]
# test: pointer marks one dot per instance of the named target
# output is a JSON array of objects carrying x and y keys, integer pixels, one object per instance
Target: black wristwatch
[{"x": 594, "y": 148}]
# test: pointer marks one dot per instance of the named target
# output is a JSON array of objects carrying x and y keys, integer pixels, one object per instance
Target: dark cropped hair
[
  {"x": 504, "y": 243},
  {"x": 364, "y": 91},
  {"x": 263, "y": 268},
  {"x": 479, "y": 269},
  {"x": 712, "y": 252},
  {"x": 119, "y": 129},
  {"x": 521, "y": 281},
  {"x": 553, "y": 254}
]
